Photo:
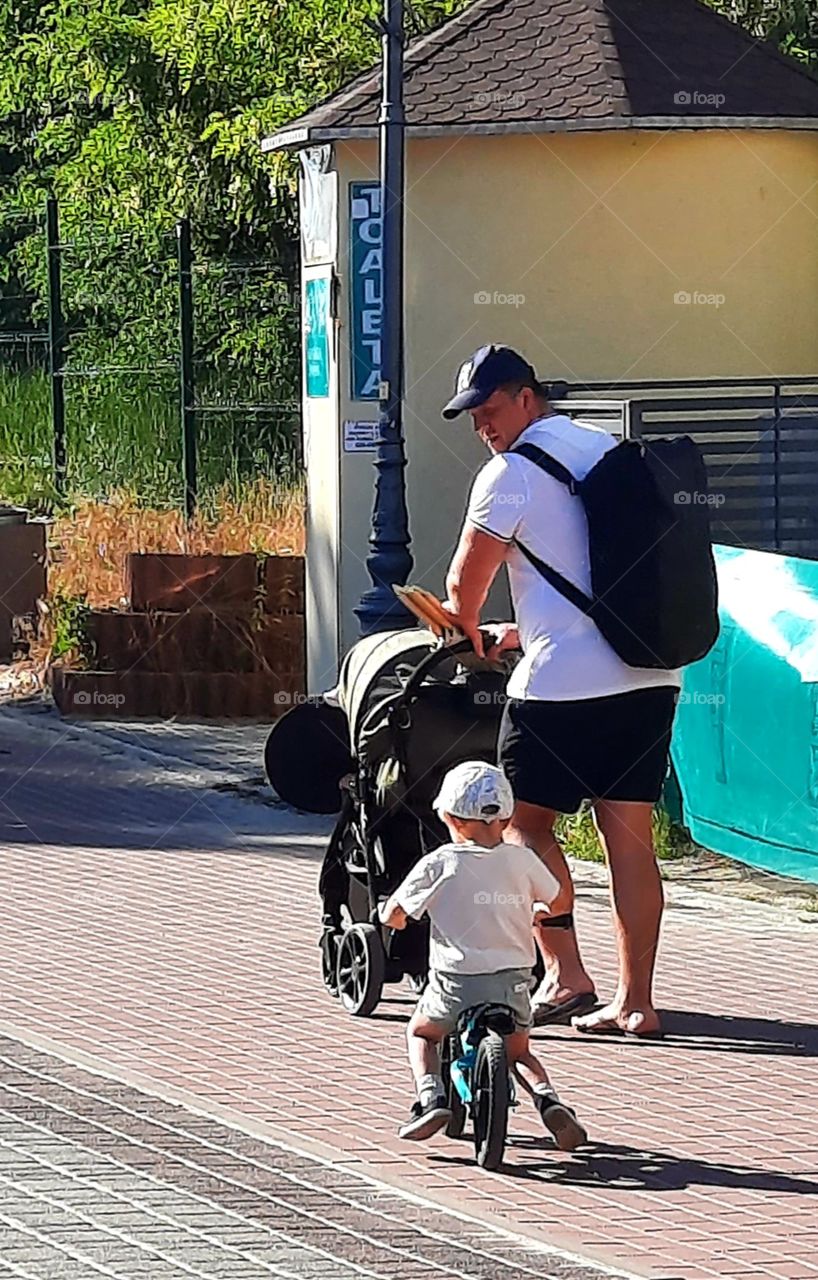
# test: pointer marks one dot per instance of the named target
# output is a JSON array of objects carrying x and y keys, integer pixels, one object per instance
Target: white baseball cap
[{"x": 477, "y": 791}]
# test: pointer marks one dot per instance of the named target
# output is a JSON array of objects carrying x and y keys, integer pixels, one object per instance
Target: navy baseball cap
[{"x": 479, "y": 377}]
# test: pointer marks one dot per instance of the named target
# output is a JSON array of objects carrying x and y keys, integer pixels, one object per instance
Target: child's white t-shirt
[{"x": 480, "y": 903}]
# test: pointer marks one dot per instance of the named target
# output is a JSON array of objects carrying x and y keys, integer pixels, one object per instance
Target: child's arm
[
  {"x": 391, "y": 913},
  {"x": 413, "y": 896},
  {"x": 545, "y": 887}
]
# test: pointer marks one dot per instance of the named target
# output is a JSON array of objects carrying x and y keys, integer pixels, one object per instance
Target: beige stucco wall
[{"x": 594, "y": 236}]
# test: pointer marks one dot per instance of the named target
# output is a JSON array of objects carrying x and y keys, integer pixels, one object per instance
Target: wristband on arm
[{"x": 565, "y": 921}]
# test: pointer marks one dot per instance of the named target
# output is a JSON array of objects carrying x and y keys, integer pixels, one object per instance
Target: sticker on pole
[
  {"x": 360, "y": 437},
  {"x": 366, "y": 293},
  {"x": 316, "y": 336}
]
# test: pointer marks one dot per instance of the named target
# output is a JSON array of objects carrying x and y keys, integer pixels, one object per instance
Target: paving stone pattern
[
  {"x": 171, "y": 931},
  {"x": 99, "y": 1179}
]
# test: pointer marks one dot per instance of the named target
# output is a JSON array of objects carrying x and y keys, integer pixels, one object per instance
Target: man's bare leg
[
  {"x": 637, "y": 898},
  {"x": 565, "y": 974}
]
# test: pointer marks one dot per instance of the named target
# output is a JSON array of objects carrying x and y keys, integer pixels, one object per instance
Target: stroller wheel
[
  {"x": 361, "y": 969},
  {"x": 329, "y": 961}
]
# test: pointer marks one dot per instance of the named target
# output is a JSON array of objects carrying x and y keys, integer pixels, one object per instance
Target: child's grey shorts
[{"x": 447, "y": 995}]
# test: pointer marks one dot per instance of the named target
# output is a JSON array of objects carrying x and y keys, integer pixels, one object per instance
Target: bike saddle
[{"x": 490, "y": 1017}]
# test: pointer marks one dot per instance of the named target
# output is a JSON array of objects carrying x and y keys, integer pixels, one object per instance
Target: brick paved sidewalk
[
  {"x": 99, "y": 1178},
  {"x": 159, "y": 929}
]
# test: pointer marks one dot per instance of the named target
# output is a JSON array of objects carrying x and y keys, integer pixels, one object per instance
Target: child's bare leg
[
  {"x": 431, "y": 1111},
  {"x": 527, "y": 1067},
  {"x": 424, "y": 1038},
  {"x": 559, "y": 1119}
]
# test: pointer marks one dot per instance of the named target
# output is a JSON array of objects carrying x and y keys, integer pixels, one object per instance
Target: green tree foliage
[
  {"x": 792, "y": 24},
  {"x": 137, "y": 112}
]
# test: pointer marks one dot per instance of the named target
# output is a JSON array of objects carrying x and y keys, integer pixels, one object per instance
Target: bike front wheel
[{"x": 490, "y": 1094}]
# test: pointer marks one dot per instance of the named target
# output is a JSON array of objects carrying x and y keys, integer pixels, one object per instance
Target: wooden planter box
[
  {"x": 175, "y": 583},
  {"x": 206, "y": 637}
]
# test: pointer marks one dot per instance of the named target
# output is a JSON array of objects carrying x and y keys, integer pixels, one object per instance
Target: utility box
[{"x": 22, "y": 570}]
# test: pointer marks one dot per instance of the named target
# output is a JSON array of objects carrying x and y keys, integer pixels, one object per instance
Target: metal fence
[
  {"x": 759, "y": 439},
  {"x": 124, "y": 375}
]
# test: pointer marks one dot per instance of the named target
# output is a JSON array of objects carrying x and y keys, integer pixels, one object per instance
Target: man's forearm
[{"x": 467, "y": 596}]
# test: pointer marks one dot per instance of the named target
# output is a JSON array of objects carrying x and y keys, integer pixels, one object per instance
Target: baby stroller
[{"x": 407, "y": 709}]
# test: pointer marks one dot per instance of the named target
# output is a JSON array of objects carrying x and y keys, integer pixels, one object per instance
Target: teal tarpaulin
[{"x": 745, "y": 744}]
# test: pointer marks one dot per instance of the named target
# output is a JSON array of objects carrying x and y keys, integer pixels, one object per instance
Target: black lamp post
[{"x": 389, "y": 560}]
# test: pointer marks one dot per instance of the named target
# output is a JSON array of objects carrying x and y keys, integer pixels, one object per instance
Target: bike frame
[{"x": 470, "y": 1033}]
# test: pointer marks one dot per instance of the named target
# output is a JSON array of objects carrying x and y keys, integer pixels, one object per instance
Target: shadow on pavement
[
  {"x": 632, "y": 1169},
  {"x": 742, "y": 1034},
  {"x": 160, "y": 818},
  {"x": 58, "y": 792},
  {"x": 707, "y": 1032}
]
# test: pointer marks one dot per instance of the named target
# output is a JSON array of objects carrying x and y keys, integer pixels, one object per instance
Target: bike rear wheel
[{"x": 490, "y": 1094}]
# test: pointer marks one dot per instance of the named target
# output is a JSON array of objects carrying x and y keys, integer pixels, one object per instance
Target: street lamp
[{"x": 390, "y": 560}]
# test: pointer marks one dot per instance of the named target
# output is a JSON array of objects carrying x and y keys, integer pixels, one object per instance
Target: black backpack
[{"x": 653, "y": 576}]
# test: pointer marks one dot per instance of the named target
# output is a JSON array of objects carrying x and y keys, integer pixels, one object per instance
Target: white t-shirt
[
  {"x": 480, "y": 903},
  {"x": 565, "y": 655}
]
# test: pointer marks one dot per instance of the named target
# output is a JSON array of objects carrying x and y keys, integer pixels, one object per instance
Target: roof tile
[{"x": 501, "y": 61}]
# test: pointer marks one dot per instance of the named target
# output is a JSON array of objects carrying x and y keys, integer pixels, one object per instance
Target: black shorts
[{"x": 557, "y": 754}]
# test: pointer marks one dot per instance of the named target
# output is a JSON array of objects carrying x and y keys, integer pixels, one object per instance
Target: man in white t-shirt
[
  {"x": 580, "y": 724},
  {"x": 481, "y": 896}
]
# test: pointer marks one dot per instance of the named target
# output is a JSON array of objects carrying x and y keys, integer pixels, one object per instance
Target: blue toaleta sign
[{"x": 366, "y": 293}]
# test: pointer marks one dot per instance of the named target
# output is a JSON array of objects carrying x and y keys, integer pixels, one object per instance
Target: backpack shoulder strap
[
  {"x": 555, "y": 579},
  {"x": 552, "y": 576},
  {"x": 548, "y": 464}
]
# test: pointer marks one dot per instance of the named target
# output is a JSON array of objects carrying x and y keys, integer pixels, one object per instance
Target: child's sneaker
[
  {"x": 560, "y": 1121},
  {"x": 426, "y": 1119}
]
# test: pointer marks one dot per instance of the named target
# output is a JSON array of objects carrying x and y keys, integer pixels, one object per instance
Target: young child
[{"x": 481, "y": 896}]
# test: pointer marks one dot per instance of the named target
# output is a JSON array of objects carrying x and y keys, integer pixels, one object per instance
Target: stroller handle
[{"x": 427, "y": 664}]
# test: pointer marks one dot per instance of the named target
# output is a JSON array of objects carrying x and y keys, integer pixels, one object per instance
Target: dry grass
[{"x": 88, "y": 546}]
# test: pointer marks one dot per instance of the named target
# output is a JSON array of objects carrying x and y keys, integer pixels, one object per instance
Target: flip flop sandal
[
  {"x": 559, "y": 1012},
  {"x": 606, "y": 1027}
]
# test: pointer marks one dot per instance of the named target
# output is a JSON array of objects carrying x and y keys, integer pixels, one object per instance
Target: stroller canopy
[
  {"x": 450, "y": 714},
  {"x": 376, "y": 667},
  {"x": 453, "y": 714}
]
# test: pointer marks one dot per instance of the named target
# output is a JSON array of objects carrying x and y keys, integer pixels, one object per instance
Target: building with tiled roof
[
  {"x": 511, "y": 65},
  {"x": 622, "y": 189}
]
